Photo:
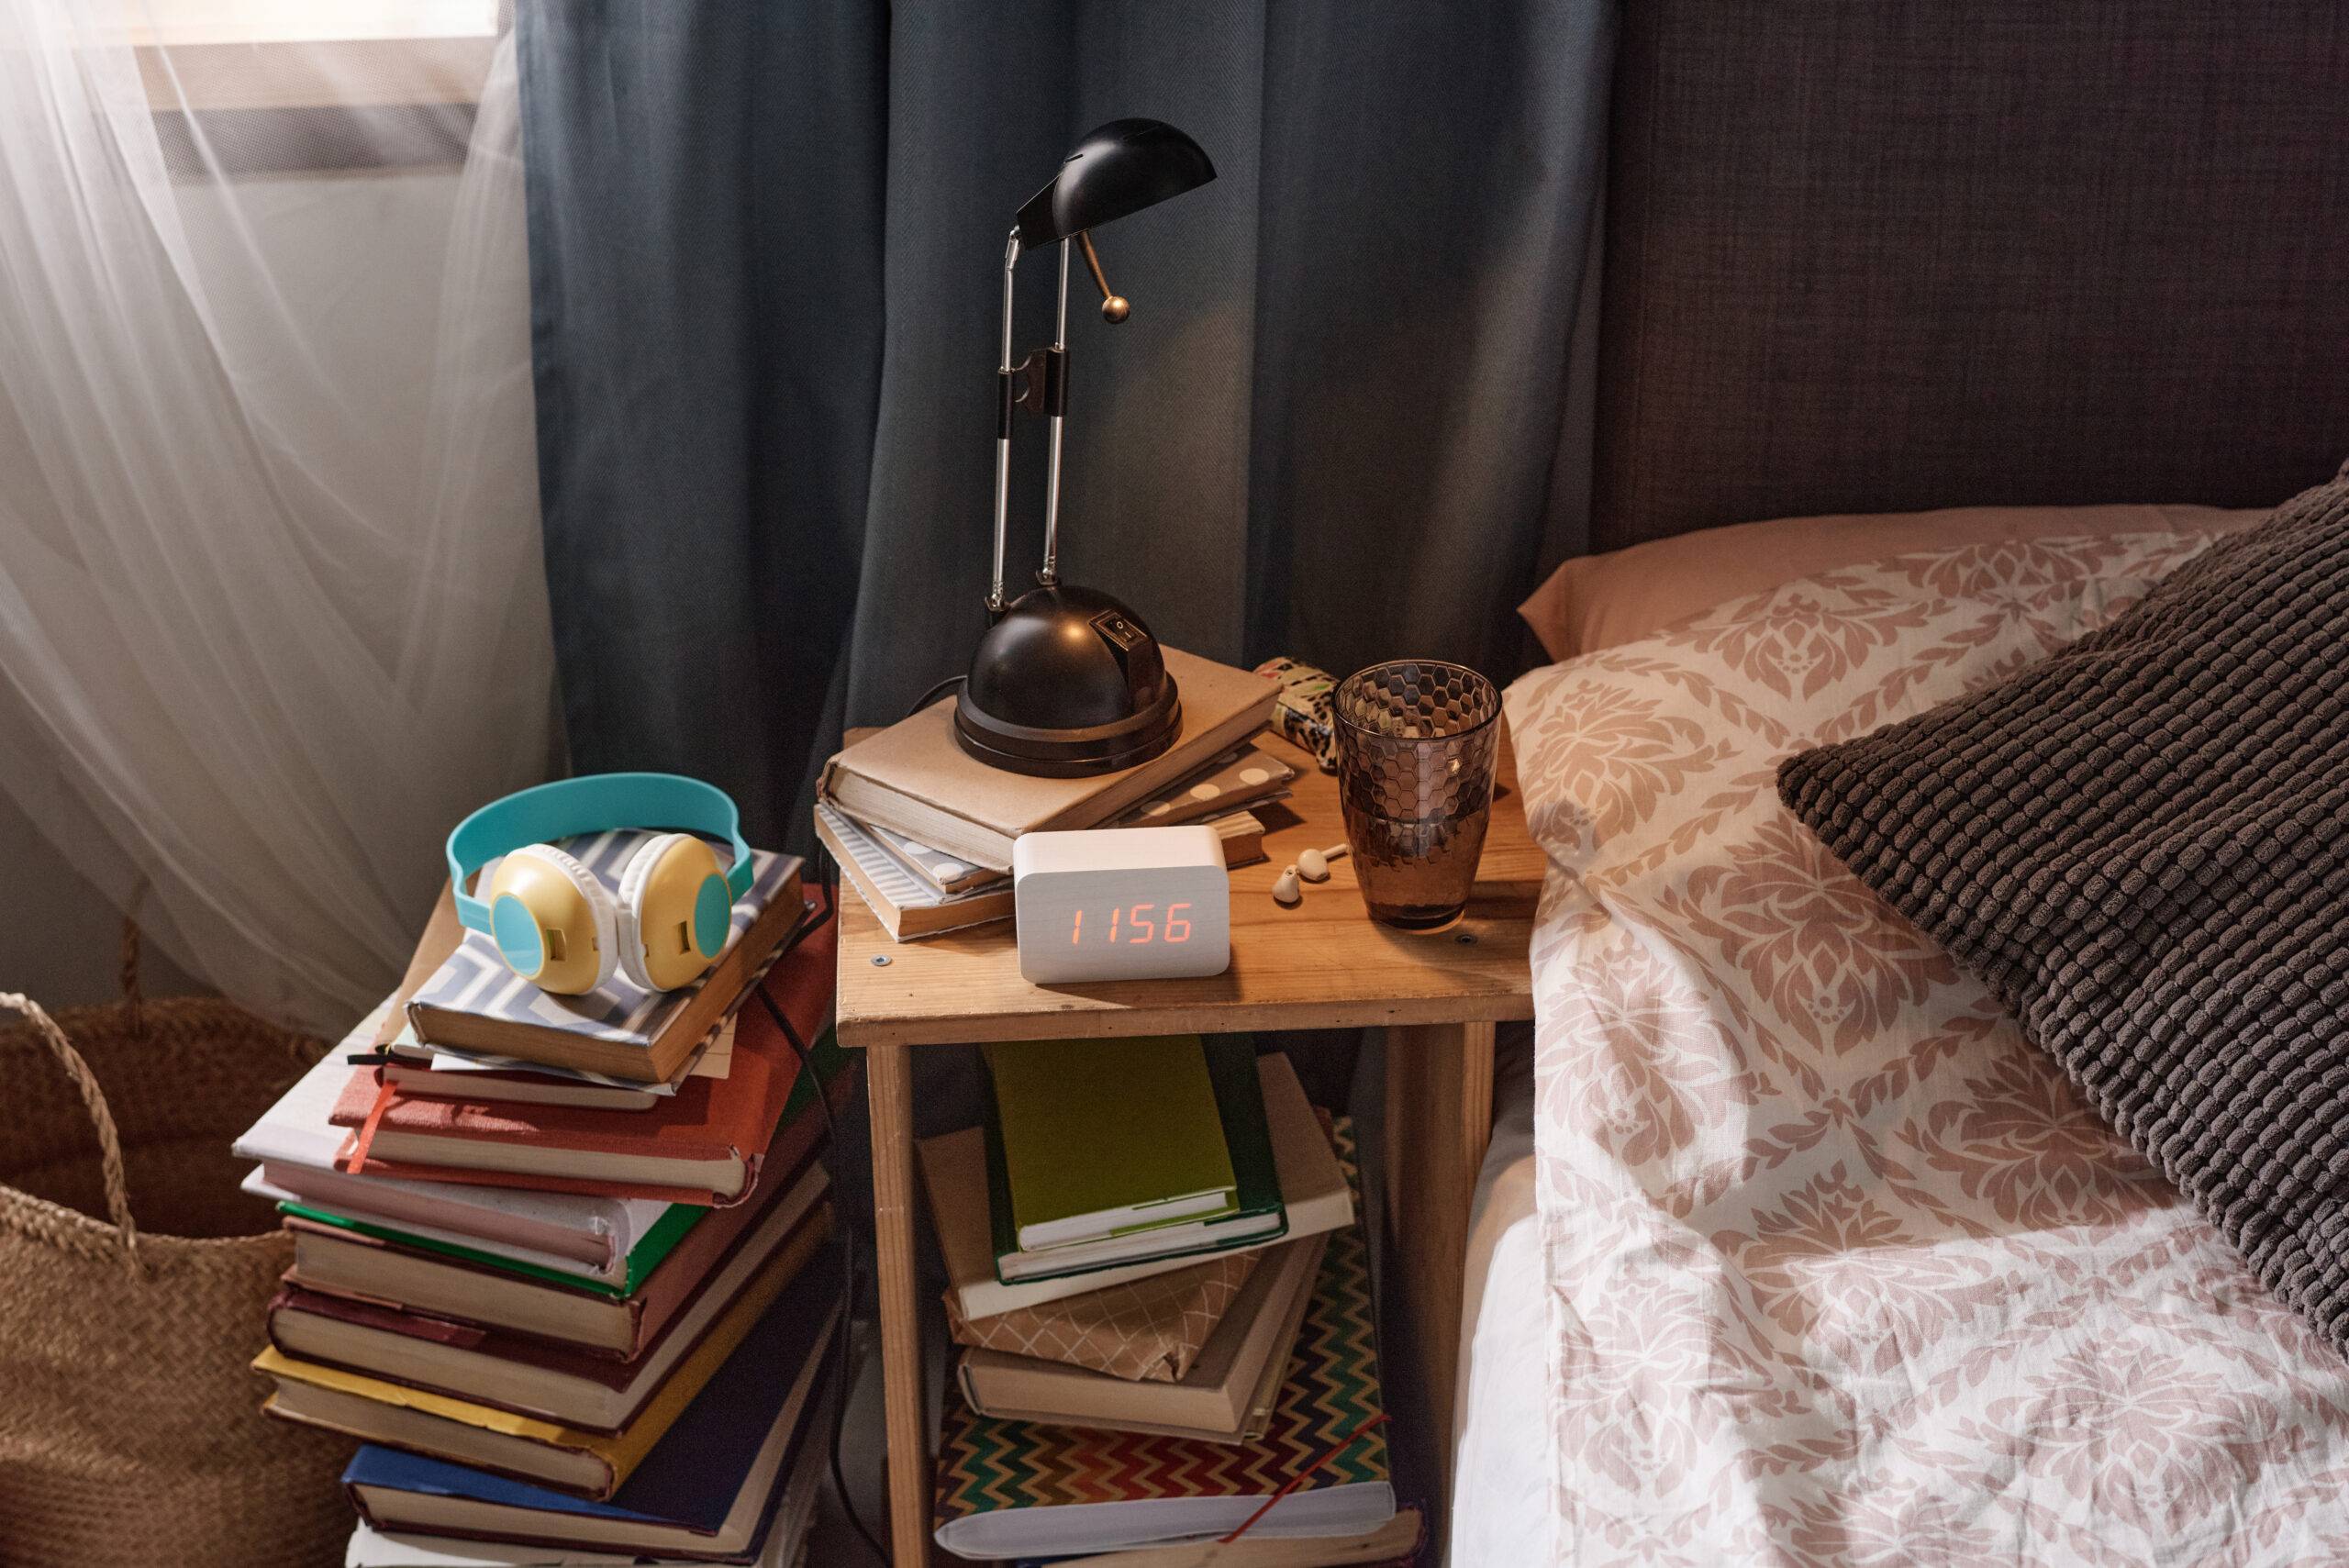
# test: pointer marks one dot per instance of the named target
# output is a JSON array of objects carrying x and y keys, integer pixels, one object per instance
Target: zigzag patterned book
[{"x": 1008, "y": 1489}]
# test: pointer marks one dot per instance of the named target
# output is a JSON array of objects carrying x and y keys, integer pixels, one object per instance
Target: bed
[
  {"x": 1788, "y": 1248},
  {"x": 1502, "y": 1454}
]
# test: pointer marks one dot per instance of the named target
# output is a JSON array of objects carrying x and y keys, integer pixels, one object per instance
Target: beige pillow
[{"x": 1600, "y": 601}]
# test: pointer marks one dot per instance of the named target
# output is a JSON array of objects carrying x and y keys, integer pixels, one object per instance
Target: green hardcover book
[
  {"x": 1086, "y": 1143},
  {"x": 1104, "y": 1137}
]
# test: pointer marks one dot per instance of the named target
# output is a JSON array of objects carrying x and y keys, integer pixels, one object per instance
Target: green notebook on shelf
[
  {"x": 1093, "y": 1128},
  {"x": 1104, "y": 1137}
]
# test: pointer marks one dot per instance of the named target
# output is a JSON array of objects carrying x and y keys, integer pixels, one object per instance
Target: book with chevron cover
[{"x": 1011, "y": 1488}]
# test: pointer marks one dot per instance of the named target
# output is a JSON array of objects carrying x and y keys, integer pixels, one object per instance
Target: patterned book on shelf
[{"x": 1017, "y": 1488}]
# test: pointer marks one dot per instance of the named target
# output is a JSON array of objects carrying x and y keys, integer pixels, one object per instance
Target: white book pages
[{"x": 295, "y": 1132}]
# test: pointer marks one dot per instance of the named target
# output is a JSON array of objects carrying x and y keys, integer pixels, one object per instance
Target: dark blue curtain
[{"x": 765, "y": 247}]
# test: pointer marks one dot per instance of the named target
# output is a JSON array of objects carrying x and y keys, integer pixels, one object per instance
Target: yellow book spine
[{"x": 622, "y": 1451}]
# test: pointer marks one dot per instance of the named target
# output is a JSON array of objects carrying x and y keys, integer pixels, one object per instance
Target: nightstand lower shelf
[{"x": 1439, "y": 1118}]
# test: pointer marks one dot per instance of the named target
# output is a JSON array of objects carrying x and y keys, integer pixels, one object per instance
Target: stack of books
[
  {"x": 1162, "y": 1297},
  {"x": 567, "y": 1265},
  {"x": 924, "y": 833}
]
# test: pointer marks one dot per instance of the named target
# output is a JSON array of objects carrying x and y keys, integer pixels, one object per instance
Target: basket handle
[{"x": 109, "y": 1140}]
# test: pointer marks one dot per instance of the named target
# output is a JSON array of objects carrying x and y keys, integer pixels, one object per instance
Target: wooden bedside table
[{"x": 1322, "y": 965}]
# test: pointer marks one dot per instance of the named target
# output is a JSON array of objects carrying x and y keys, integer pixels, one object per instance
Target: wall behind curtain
[{"x": 765, "y": 251}]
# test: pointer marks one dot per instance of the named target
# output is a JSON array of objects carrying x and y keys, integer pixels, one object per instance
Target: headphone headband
[{"x": 596, "y": 802}]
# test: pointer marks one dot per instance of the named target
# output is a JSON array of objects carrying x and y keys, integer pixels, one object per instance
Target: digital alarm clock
[{"x": 1122, "y": 904}]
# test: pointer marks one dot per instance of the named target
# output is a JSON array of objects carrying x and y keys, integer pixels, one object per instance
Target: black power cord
[
  {"x": 951, "y": 683},
  {"x": 828, "y": 876}
]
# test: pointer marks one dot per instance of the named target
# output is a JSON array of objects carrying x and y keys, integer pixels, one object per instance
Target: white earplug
[
  {"x": 1286, "y": 891},
  {"x": 1314, "y": 864}
]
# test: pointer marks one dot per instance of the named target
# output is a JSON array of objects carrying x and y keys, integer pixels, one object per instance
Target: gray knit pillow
[{"x": 2142, "y": 845}]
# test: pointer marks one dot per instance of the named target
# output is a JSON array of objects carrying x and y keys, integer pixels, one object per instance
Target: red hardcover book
[
  {"x": 702, "y": 1145},
  {"x": 359, "y": 1267}
]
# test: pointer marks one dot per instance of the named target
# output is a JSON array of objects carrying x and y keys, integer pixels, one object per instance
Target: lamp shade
[{"x": 1120, "y": 168}]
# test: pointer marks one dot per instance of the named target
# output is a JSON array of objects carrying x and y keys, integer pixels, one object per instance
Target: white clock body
[{"x": 1122, "y": 904}]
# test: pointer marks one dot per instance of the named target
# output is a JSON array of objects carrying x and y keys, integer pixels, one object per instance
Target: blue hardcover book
[{"x": 708, "y": 1491}]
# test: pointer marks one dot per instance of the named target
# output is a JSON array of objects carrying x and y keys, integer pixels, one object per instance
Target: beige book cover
[
  {"x": 1225, "y": 1398},
  {"x": 954, "y": 1174},
  {"x": 913, "y": 779},
  {"x": 1146, "y": 1330}
]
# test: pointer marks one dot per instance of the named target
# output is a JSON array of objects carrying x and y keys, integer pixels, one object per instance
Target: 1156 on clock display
[{"x": 1122, "y": 904}]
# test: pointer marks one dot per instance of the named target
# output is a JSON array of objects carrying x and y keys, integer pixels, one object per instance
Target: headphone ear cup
[
  {"x": 629, "y": 908},
  {"x": 545, "y": 900},
  {"x": 665, "y": 926}
]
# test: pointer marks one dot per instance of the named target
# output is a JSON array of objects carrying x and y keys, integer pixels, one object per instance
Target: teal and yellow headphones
[{"x": 557, "y": 926}]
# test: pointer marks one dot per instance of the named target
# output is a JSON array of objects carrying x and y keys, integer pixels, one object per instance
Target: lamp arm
[
  {"x": 1050, "y": 573},
  {"x": 1003, "y": 426}
]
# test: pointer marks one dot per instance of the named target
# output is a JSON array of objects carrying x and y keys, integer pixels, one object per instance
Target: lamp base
[
  {"x": 1067, "y": 684},
  {"x": 1070, "y": 753}
]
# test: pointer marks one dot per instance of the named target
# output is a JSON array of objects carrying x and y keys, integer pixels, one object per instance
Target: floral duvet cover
[{"x": 1839, "y": 1270}]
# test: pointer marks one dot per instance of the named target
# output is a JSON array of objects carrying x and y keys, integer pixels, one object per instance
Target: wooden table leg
[
  {"x": 889, "y": 1087},
  {"x": 1439, "y": 1119}
]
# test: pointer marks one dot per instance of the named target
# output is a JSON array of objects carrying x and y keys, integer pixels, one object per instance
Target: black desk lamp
[{"x": 1068, "y": 682}]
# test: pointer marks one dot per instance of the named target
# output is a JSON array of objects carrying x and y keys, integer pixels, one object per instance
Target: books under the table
[
  {"x": 707, "y": 1492},
  {"x": 533, "y": 1377},
  {"x": 343, "y": 1262},
  {"x": 1311, "y": 1188},
  {"x": 1226, "y": 1396},
  {"x": 1395, "y": 1545},
  {"x": 1010, "y": 1488},
  {"x": 473, "y": 1002},
  {"x": 702, "y": 1145},
  {"x": 1072, "y": 1160},
  {"x": 1146, "y": 1330},
  {"x": 1100, "y": 1139},
  {"x": 590, "y": 1463},
  {"x": 913, "y": 779}
]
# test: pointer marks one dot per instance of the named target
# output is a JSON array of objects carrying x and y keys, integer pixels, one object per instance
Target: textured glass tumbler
[{"x": 1417, "y": 744}]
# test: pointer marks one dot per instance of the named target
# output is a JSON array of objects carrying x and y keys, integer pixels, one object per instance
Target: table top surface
[{"x": 1323, "y": 965}]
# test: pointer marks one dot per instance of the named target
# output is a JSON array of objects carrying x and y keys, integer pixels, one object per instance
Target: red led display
[{"x": 1141, "y": 925}]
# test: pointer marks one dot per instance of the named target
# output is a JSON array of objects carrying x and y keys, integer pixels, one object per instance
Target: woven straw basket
[{"x": 130, "y": 1430}]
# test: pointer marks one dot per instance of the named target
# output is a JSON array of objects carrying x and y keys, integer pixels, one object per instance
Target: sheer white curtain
[{"x": 272, "y": 610}]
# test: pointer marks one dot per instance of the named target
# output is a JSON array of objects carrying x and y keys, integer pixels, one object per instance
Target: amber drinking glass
[{"x": 1417, "y": 744}]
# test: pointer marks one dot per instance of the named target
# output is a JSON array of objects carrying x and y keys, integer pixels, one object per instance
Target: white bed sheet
[{"x": 1500, "y": 1452}]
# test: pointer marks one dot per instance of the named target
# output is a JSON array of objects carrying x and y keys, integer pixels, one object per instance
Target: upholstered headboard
[{"x": 1870, "y": 257}]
